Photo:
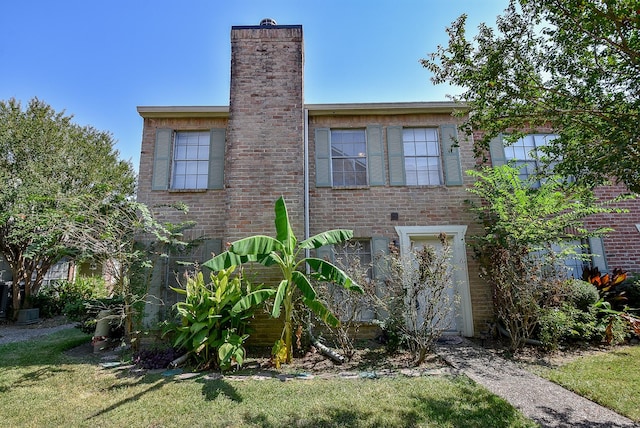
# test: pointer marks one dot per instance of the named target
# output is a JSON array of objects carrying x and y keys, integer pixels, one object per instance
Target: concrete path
[
  {"x": 13, "y": 333},
  {"x": 541, "y": 400}
]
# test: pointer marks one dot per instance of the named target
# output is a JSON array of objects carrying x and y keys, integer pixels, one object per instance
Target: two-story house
[{"x": 389, "y": 171}]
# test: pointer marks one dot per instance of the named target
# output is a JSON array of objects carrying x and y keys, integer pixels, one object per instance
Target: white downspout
[{"x": 306, "y": 178}]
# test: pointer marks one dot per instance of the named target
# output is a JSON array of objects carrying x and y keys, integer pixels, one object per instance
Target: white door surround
[{"x": 459, "y": 259}]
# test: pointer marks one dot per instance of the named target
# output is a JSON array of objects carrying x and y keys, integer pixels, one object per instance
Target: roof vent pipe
[{"x": 268, "y": 22}]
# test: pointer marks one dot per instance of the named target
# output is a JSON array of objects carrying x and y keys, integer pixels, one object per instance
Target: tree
[
  {"x": 528, "y": 233},
  {"x": 126, "y": 238},
  {"x": 286, "y": 252},
  {"x": 50, "y": 170},
  {"x": 569, "y": 65}
]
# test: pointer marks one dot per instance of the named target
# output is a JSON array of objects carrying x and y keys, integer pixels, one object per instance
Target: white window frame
[
  {"x": 355, "y": 159},
  {"x": 525, "y": 153},
  {"x": 413, "y": 176},
  {"x": 188, "y": 154}
]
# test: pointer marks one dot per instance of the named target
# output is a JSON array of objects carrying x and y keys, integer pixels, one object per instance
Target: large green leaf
[
  {"x": 322, "y": 312},
  {"x": 284, "y": 233},
  {"x": 258, "y": 245},
  {"x": 252, "y": 299},
  {"x": 303, "y": 284},
  {"x": 277, "y": 303},
  {"x": 326, "y": 271},
  {"x": 179, "y": 290},
  {"x": 329, "y": 237},
  {"x": 226, "y": 260}
]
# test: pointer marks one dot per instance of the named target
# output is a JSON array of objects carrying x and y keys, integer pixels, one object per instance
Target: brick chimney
[{"x": 265, "y": 133}]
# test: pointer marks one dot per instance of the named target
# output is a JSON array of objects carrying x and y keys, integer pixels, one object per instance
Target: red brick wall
[{"x": 622, "y": 246}]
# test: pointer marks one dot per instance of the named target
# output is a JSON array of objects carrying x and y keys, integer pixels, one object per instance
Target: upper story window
[
  {"x": 348, "y": 157},
  {"x": 422, "y": 163},
  {"x": 190, "y": 160},
  {"x": 414, "y": 156},
  {"x": 526, "y": 153}
]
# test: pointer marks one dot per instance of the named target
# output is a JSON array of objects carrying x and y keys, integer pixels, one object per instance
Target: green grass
[
  {"x": 40, "y": 386},
  {"x": 611, "y": 379}
]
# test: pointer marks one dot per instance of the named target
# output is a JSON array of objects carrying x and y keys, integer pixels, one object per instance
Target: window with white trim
[
  {"x": 526, "y": 153},
  {"x": 355, "y": 255},
  {"x": 348, "y": 157},
  {"x": 422, "y": 164},
  {"x": 190, "y": 160}
]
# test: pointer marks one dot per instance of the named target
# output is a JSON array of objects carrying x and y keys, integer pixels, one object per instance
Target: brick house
[{"x": 388, "y": 171}]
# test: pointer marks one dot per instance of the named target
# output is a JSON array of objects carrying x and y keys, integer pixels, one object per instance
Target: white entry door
[
  {"x": 445, "y": 313},
  {"x": 459, "y": 315}
]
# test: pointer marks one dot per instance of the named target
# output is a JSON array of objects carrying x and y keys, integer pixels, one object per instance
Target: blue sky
[{"x": 98, "y": 60}]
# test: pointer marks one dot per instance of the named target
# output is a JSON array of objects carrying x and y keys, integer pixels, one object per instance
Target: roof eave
[
  {"x": 345, "y": 109},
  {"x": 183, "y": 111},
  {"x": 384, "y": 108}
]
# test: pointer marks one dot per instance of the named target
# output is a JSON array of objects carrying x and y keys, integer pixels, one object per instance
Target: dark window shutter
[
  {"x": 496, "y": 150},
  {"x": 379, "y": 251},
  {"x": 326, "y": 253},
  {"x": 451, "y": 155},
  {"x": 395, "y": 149},
  {"x": 162, "y": 159},
  {"x": 375, "y": 156},
  {"x": 323, "y": 157},
  {"x": 209, "y": 248},
  {"x": 598, "y": 258},
  {"x": 216, "y": 158}
]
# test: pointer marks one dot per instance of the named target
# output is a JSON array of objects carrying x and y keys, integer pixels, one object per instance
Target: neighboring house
[{"x": 392, "y": 172}]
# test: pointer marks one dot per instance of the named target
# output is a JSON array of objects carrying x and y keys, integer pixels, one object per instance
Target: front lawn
[
  {"x": 611, "y": 379},
  {"x": 41, "y": 386}
]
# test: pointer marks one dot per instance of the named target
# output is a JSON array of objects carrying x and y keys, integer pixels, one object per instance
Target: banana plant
[{"x": 287, "y": 253}]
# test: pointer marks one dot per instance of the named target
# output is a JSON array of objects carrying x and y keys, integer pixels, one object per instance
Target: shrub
[
  {"x": 347, "y": 306},
  {"x": 53, "y": 299},
  {"x": 581, "y": 294},
  {"x": 565, "y": 324},
  {"x": 553, "y": 324},
  {"x": 525, "y": 222},
  {"x": 214, "y": 317},
  {"x": 631, "y": 289},
  {"x": 418, "y": 294},
  {"x": 48, "y": 302}
]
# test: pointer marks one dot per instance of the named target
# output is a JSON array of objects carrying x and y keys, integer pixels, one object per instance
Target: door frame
[{"x": 459, "y": 258}]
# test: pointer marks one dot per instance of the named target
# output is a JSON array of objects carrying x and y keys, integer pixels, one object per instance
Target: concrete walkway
[
  {"x": 541, "y": 400},
  {"x": 13, "y": 333}
]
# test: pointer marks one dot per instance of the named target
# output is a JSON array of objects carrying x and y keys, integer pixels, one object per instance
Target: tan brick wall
[
  {"x": 265, "y": 133},
  {"x": 207, "y": 207},
  {"x": 368, "y": 210}
]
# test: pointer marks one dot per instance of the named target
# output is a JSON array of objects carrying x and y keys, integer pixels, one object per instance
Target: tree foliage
[
  {"x": 572, "y": 66},
  {"x": 50, "y": 169},
  {"x": 528, "y": 233}
]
